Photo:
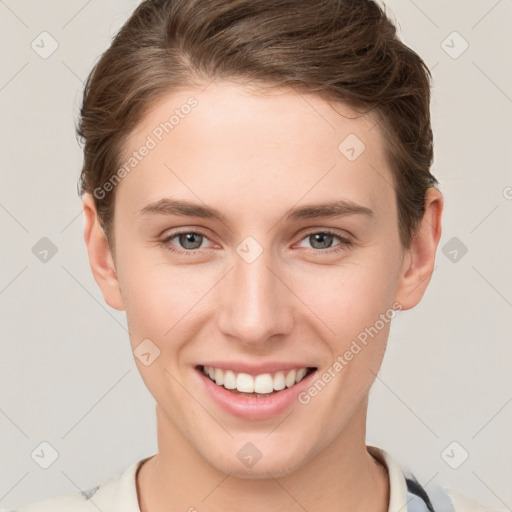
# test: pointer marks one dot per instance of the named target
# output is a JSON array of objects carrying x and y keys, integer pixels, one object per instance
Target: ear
[
  {"x": 418, "y": 264},
  {"x": 100, "y": 258}
]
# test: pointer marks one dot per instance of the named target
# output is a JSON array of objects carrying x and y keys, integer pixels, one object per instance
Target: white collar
[{"x": 397, "y": 483}]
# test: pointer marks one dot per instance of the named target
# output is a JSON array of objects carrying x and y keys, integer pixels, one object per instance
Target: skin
[{"x": 254, "y": 156}]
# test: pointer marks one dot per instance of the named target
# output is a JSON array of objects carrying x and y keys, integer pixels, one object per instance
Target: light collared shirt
[{"x": 119, "y": 494}]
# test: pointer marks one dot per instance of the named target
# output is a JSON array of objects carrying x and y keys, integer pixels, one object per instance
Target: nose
[{"x": 255, "y": 303}]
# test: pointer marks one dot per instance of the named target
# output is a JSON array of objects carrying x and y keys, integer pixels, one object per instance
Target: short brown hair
[{"x": 343, "y": 50}]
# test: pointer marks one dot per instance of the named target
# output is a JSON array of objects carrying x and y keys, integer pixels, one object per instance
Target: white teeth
[
  {"x": 290, "y": 378},
  {"x": 279, "y": 382},
  {"x": 300, "y": 374},
  {"x": 219, "y": 376},
  {"x": 245, "y": 383},
  {"x": 261, "y": 384},
  {"x": 229, "y": 380}
]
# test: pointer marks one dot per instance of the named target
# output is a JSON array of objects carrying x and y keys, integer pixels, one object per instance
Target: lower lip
[{"x": 254, "y": 408}]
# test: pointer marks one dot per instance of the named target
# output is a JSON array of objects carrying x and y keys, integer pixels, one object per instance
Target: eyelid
[{"x": 344, "y": 235}]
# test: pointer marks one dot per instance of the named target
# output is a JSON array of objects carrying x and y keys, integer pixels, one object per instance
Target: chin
[{"x": 271, "y": 466}]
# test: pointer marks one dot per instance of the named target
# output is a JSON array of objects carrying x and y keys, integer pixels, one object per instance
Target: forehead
[{"x": 228, "y": 141}]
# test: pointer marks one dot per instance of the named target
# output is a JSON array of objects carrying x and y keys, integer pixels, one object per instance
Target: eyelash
[{"x": 345, "y": 242}]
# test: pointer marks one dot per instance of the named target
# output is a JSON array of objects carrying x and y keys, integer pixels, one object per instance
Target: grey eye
[
  {"x": 321, "y": 240},
  {"x": 190, "y": 240}
]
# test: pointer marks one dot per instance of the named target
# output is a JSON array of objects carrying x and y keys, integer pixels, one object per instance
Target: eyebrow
[{"x": 339, "y": 208}]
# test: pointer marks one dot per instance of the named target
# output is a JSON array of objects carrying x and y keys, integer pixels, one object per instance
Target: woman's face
[{"x": 270, "y": 282}]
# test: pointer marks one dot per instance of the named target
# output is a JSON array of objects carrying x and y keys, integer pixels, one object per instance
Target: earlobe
[
  {"x": 418, "y": 264},
  {"x": 100, "y": 257}
]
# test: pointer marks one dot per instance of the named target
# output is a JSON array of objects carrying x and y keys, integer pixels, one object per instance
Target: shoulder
[
  {"x": 441, "y": 498},
  {"x": 462, "y": 503},
  {"x": 117, "y": 494},
  {"x": 408, "y": 495},
  {"x": 68, "y": 502}
]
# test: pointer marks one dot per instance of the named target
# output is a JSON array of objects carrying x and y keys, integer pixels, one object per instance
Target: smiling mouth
[{"x": 259, "y": 386}]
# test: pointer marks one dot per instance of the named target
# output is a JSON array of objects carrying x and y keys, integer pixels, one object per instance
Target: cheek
[
  {"x": 349, "y": 297},
  {"x": 161, "y": 299},
  {"x": 354, "y": 304}
]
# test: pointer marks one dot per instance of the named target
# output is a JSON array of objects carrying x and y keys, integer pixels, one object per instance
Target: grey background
[{"x": 67, "y": 375}]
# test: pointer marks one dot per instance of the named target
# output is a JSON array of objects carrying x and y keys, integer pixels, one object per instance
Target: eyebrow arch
[
  {"x": 331, "y": 209},
  {"x": 339, "y": 208},
  {"x": 183, "y": 208}
]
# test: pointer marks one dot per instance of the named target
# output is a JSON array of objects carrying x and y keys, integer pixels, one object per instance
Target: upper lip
[{"x": 256, "y": 369}]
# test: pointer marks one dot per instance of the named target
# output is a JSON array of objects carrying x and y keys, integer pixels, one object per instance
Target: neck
[{"x": 342, "y": 476}]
